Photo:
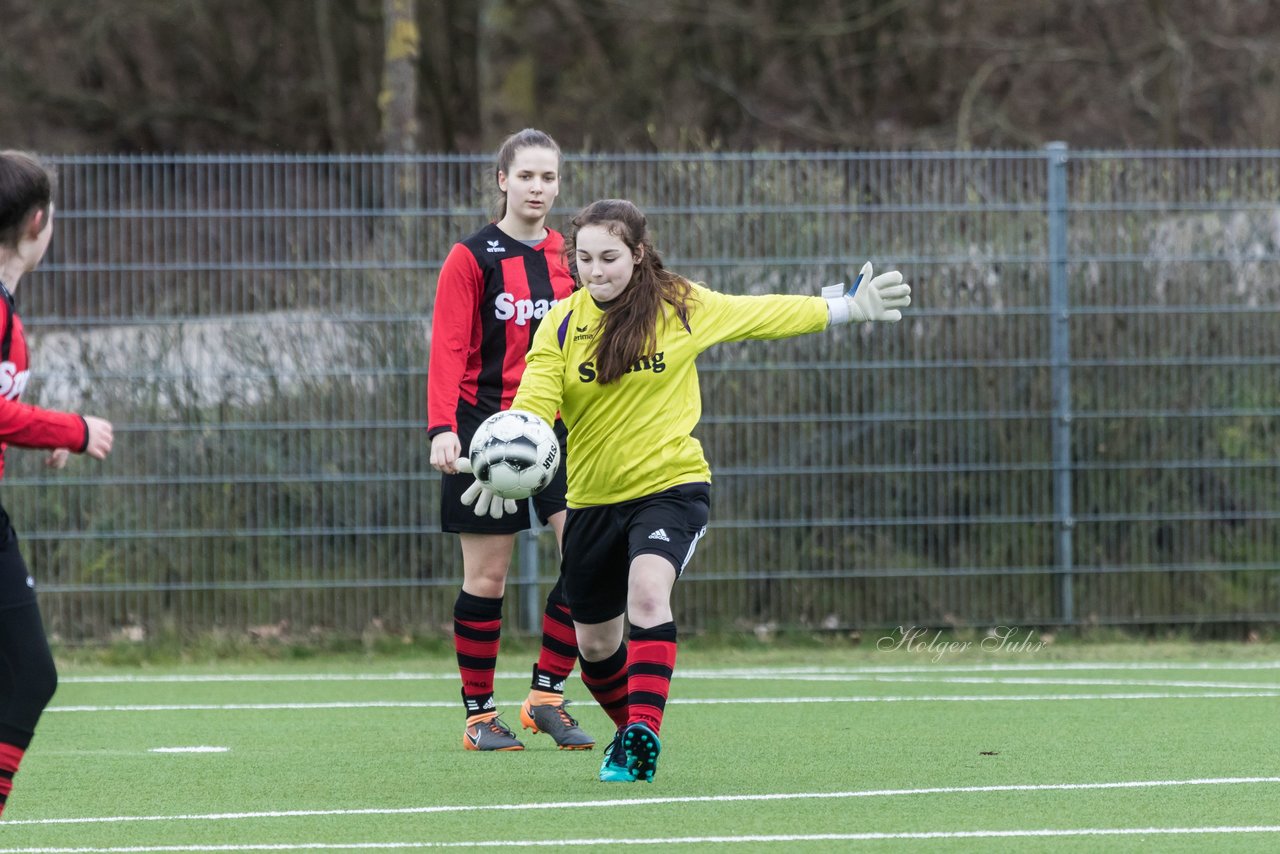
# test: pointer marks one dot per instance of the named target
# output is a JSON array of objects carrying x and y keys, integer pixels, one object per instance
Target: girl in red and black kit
[
  {"x": 29, "y": 679},
  {"x": 494, "y": 289}
]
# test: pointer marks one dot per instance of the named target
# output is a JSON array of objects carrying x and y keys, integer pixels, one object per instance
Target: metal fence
[{"x": 1076, "y": 425}]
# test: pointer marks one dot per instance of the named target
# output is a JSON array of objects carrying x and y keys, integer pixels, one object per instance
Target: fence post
[
  {"x": 530, "y": 601},
  {"x": 1060, "y": 372}
]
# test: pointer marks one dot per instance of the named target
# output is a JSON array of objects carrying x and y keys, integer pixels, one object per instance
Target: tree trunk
[
  {"x": 328, "y": 57},
  {"x": 398, "y": 99},
  {"x": 488, "y": 27},
  {"x": 507, "y": 63}
]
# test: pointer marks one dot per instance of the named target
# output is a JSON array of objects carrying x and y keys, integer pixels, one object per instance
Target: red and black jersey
[
  {"x": 493, "y": 292},
  {"x": 21, "y": 424}
]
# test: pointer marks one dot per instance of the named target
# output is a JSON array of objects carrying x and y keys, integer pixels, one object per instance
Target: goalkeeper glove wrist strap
[{"x": 838, "y": 311}]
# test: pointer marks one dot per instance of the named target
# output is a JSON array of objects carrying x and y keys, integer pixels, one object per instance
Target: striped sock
[
  {"x": 477, "y": 627},
  {"x": 10, "y": 758},
  {"x": 607, "y": 681},
  {"x": 559, "y": 649},
  {"x": 651, "y": 660}
]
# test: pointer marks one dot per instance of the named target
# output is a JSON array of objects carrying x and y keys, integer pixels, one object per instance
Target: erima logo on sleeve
[{"x": 494, "y": 246}]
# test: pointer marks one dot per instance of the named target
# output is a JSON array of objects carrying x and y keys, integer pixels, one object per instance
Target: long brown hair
[
  {"x": 631, "y": 323},
  {"x": 26, "y": 186},
  {"x": 513, "y": 145}
]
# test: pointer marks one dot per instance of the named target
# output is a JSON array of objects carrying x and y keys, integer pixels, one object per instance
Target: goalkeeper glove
[
  {"x": 878, "y": 298},
  {"x": 481, "y": 496}
]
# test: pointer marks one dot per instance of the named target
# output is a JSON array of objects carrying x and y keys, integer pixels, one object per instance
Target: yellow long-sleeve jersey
[{"x": 633, "y": 437}]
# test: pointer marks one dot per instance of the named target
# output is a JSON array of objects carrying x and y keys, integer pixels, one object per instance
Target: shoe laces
[
  {"x": 564, "y": 714},
  {"x": 616, "y": 755},
  {"x": 495, "y": 724}
]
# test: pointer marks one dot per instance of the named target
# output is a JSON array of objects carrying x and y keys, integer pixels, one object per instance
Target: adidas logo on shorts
[{"x": 660, "y": 534}]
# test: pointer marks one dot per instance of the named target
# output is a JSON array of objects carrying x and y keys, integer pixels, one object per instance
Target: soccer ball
[{"x": 515, "y": 454}]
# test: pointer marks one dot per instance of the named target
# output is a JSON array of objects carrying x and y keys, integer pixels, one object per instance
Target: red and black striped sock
[
  {"x": 10, "y": 759},
  {"x": 651, "y": 660},
  {"x": 559, "y": 649},
  {"x": 607, "y": 681},
  {"x": 477, "y": 627}
]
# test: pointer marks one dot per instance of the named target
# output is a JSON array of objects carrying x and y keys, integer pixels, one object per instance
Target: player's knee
[
  {"x": 648, "y": 607},
  {"x": 596, "y": 649},
  {"x": 488, "y": 588},
  {"x": 598, "y": 641},
  {"x": 487, "y": 580}
]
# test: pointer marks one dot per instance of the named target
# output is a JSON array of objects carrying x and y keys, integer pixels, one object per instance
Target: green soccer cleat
[
  {"x": 614, "y": 768},
  {"x": 641, "y": 745}
]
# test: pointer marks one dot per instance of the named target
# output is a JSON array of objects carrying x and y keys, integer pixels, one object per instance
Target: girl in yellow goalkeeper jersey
[{"x": 616, "y": 359}]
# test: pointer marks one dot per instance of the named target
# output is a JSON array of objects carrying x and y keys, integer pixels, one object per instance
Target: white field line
[
  {"x": 986, "y": 698},
  {"x": 451, "y": 704},
  {"x": 691, "y": 673},
  {"x": 669, "y": 840},
  {"x": 129, "y": 679},
  {"x": 941, "y": 677},
  {"x": 951, "y": 667},
  {"x": 1035, "y": 680},
  {"x": 633, "y": 802}
]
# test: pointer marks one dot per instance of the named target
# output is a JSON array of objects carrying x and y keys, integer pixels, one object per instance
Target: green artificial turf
[{"x": 798, "y": 750}]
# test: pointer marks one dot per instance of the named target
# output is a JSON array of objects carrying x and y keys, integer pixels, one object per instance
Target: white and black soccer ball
[{"x": 515, "y": 454}]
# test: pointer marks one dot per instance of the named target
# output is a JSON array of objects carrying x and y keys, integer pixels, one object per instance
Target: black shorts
[
  {"x": 459, "y": 518},
  {"x": 600, "y": 543},
  {"x": 17, "y": 587}
]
